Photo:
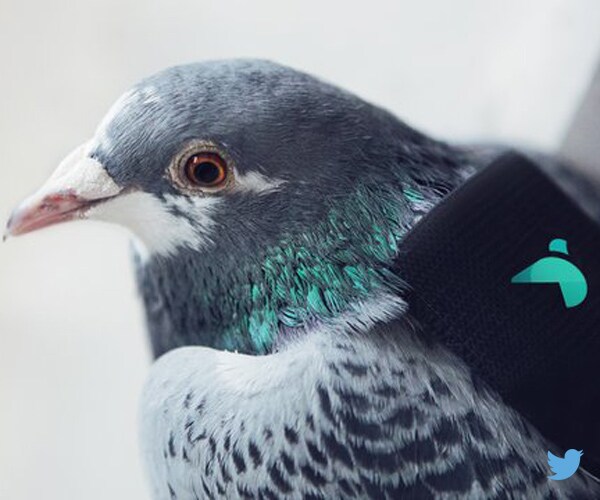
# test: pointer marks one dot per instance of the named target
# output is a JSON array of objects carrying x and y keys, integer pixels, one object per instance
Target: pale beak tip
[
  {"x": 40, "y": 212},
  {"x": 8, "y": 228}
]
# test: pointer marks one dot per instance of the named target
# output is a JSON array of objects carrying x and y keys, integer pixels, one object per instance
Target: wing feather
[{"x": 333, "y": 415}]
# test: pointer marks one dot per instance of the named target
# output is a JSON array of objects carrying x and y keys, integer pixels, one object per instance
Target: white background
[{"x": 73, "y": 354}]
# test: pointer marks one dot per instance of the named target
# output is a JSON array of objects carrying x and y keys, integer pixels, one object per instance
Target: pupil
[{"x": 206, "y": 172}]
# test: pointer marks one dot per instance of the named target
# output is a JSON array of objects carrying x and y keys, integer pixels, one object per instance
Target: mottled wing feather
[{"x": 337, "y": 416}]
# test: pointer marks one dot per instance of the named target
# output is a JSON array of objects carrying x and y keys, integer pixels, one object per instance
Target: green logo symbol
[{"x": 567, "y": 275}]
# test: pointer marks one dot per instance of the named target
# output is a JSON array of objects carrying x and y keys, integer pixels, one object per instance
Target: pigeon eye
[
  {"x": 205, "y": 169},
  {"x": 201, "y": 168}
]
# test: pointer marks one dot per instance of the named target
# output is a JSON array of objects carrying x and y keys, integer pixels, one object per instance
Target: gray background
[{"x": 73, "y": 355}]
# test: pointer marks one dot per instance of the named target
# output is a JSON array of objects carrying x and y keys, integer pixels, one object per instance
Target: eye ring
[{"x": 201, "y": 167}]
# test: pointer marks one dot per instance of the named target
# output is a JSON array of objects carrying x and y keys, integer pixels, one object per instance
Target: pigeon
[{"x": 266, "y": 209}]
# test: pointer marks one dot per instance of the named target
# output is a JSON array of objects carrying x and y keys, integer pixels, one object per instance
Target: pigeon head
[{"x": 262, "y": 200}]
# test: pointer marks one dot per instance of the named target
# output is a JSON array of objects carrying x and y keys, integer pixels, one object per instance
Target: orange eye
[
  {"x": 201, "y": 168},
  {"x": 206, "y": 169}
]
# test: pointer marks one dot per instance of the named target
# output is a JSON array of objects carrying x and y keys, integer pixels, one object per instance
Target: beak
[{"x": 78, "y": 183}]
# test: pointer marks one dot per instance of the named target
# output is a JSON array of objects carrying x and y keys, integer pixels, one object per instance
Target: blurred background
[{"x": 73, "y": 353}]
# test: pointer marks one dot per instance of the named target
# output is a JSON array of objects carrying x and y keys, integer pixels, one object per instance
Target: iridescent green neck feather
[{"x": 306, "y": 278}]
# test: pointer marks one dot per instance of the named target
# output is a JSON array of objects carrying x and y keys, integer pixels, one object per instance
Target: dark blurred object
[{"x": 540, "y": 356}]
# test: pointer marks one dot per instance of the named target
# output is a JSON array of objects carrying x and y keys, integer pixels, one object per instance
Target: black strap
[{"x": 541, "y": 353}]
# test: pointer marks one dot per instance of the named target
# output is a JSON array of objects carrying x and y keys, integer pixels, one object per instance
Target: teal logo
[{"x": 565, "y": 274}]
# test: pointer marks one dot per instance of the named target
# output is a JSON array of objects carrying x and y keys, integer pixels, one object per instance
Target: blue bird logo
[
  {"x": 567, "y": 275},
  {"x": 564, "y": 468}
]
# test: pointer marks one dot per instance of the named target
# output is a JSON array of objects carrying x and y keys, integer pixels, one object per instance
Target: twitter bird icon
[{"x": 564, "y": 468}]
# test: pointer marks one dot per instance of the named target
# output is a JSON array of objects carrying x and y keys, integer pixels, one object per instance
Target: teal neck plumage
[
  {"x": 304, "y": 280},
  {"x": 315, "y": 277}
]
